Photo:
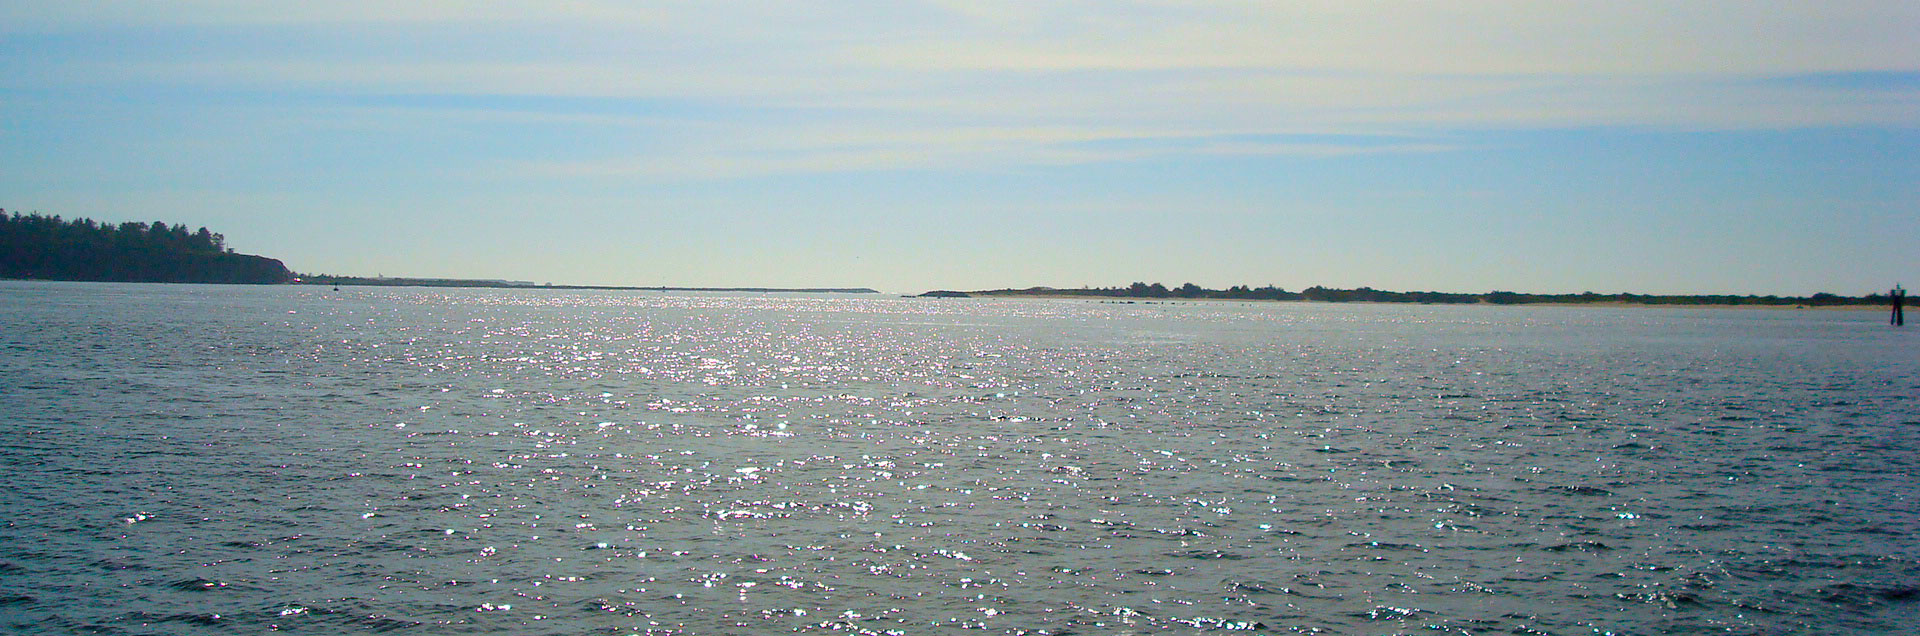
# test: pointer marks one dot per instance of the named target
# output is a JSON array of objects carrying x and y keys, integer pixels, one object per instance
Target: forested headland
[
  {"x": 36, "y": 246},
  {"x": 1368, "y": 294}
]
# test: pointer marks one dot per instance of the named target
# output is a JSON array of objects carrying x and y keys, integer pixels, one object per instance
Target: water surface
[{"x": 206, "y": 459}]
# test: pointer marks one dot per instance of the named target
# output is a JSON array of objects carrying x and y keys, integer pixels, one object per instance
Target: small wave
[
  {"x": 1902, "y": 593},
  {"x": 1852, "y": 595},
  {"x": 1589, "y": 491},
  {"x": 197, "y": 585},
  {"x": 1223, "y": 624},
  {"x": 1207, "y": 554},
  {"x": 1262, "y": 588},
  {"x": 375, "y": 622},
  {"x": 1390, "y": 613},
  {"x": 193, "y": 618},
  {"x": 1579, "y": 546},
  {"x": 1409, "y": 547},
  {"x": 1672, "y": 600}
]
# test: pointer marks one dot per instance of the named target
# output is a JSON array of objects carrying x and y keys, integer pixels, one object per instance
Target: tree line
[
  {"x": 1368, "y": 294},
  {"x": 48, "y": 247}
]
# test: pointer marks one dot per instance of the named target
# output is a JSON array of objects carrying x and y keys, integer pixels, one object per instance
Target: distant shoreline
[
  {"x": 1140, "y": 292},
  {"x": 1676, "y": 305},
  {"x": 356, "y": 281}
]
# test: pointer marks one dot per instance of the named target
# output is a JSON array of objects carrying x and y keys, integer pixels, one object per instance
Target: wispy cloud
[
  {"x": 1463, "y": 37},
  {"x": 726, "y": 152},
  {"x": 94, "y": 14},
  {"x": 797, "y": 87}
]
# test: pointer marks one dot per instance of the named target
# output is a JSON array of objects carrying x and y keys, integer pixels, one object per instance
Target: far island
[{"x": 1157, "y": 291}]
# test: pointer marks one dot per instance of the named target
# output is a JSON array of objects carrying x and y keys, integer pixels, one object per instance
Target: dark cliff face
[
  {"x": 223, "y": 268},
  {"x": 145, "y": 266},
  {"x": 268, "y": 271}
]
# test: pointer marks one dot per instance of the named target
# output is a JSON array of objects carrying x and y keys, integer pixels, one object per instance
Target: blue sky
[{"x": 1693, "y": 146}]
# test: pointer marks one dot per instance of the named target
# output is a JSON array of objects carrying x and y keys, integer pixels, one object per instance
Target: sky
[{"x": 1653, "y": 146}]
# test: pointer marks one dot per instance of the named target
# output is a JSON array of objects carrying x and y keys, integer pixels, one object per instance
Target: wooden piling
[{"x": 1899, "y": 297}]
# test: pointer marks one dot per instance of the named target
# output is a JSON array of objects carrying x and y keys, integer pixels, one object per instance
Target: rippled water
[{"x": 204, "y": 460}]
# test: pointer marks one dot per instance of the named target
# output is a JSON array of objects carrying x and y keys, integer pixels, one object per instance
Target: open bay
[{"x": 210, "y": 459}]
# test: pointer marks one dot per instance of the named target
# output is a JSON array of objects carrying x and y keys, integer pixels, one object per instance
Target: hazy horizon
[
  {"x": 513, "y": 283},
  {"x": 1659, "y": 147}
]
